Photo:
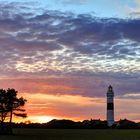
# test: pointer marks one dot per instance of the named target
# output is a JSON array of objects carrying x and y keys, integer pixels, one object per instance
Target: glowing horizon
[{"x": 84, "y": 107}]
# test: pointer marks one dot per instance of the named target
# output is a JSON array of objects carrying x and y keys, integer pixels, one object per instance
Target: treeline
[{"x": 86, "y": 124}]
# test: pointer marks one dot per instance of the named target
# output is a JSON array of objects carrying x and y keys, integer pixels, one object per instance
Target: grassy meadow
[{"x": 72, "y": 134}]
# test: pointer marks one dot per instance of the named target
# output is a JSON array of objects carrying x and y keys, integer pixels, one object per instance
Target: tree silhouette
[
  {"x": 10, "y": 105},
  {"x": 3, "y": 110}
]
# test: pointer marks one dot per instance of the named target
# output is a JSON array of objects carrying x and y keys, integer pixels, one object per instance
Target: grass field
[{"x": 69, "y": 134}]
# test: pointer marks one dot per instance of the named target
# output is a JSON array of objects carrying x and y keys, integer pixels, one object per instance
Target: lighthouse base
[{"x": 110, "y": 117}]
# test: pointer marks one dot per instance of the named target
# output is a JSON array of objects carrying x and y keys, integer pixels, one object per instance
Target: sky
[{"x": 61, "y": 55}]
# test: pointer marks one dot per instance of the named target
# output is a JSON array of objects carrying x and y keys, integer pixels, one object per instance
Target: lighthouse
[{"x": 110, "y": 106}]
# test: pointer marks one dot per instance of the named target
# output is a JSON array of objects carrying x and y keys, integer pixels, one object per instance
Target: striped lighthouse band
[{"x": 110, "y": 106}]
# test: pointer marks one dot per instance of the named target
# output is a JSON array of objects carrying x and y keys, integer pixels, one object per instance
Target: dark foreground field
[{"x": 68, "y": 134}]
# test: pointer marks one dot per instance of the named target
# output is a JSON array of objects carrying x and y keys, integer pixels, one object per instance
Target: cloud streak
[
  {"x": 76, "y": 43},
  {"x": 54, "y": 53},
  {"x": 54, "y": 43}
]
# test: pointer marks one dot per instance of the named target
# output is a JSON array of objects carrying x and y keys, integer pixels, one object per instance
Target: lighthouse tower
[{"x": 110, "y": 106}]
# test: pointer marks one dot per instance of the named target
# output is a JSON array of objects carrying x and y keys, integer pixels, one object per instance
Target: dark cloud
[
  {"x": 102, "y": 51},
  {"x": 88, "y": 86},
  {"x": 83, "y": 33}
]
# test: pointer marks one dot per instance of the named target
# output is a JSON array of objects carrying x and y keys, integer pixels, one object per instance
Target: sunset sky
[{"x": 61, "y": 55}]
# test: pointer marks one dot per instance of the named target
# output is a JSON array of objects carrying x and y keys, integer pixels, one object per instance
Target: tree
[
  {"x": 2, "y": 107},
  {"x": 10, "y": 105}
]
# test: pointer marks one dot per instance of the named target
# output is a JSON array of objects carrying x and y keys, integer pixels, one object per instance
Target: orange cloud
[
  {"x": 41, "y": 106},
  {"x": 45, "y": 107},
  {"x": 68, "y": 98}
]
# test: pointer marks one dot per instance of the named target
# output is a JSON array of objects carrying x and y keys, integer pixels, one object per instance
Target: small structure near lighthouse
[{"x": 110, "y": 106}]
